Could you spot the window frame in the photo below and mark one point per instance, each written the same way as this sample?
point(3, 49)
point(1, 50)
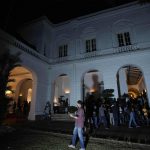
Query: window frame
point(124, 39)
point(90, 45)
point(63, 50)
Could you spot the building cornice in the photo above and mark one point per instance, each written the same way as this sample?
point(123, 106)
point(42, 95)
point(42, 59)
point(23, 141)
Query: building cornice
point(113, 52)
point(5, 37)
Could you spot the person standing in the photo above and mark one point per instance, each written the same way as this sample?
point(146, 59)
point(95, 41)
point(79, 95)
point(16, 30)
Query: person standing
point(111, 116)
point(79, 124)
point(94, 116)
point(132, 118)
point(102, 117)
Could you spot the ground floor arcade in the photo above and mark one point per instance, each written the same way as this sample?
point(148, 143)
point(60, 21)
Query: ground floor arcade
point(37, 81)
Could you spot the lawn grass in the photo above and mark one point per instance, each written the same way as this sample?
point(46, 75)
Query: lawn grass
point(23, 139)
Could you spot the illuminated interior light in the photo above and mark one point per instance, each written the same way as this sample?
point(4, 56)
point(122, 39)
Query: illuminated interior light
point(8, 92)
point(67, 91)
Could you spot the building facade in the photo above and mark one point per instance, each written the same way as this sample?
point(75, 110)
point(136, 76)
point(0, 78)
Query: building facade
point(109, 49)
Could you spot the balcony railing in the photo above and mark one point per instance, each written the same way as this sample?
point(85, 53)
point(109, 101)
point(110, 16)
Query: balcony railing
point(13, 41)
point(126, 48)
point(98, 53)
point(61, 59)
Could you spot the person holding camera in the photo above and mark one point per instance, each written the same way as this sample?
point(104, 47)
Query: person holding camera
point(79, 124)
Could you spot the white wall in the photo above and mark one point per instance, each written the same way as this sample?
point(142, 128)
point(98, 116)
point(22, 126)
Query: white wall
point(103, 27)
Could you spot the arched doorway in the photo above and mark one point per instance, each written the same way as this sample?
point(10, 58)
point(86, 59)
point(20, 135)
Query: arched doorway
point(61, 93)
point(92, 84)
point(130, 81)
point(21, 89)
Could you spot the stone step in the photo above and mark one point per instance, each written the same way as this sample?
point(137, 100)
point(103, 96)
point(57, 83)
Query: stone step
point(61, 117)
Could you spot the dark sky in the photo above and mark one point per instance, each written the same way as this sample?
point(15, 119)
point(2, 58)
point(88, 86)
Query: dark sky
point(16, 12)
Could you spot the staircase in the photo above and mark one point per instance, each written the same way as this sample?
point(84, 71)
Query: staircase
point(61, 117)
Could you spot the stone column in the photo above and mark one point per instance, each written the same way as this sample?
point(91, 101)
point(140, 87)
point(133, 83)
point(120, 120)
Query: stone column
point(110, 82)
point(75, 87)
point(147, 83)
point(123, 81)
point(33, 102)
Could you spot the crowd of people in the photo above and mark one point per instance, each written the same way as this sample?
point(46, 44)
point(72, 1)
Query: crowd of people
point(111, 112)
point(127, 111)
point(20, 108)
point(116, 112)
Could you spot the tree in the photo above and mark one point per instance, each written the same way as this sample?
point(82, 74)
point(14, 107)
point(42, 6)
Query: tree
point(8, 62)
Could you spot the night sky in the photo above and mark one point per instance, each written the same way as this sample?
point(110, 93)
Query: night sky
point(14, 13)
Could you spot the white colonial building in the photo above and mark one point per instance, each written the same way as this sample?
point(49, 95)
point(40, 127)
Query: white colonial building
point(109, 49)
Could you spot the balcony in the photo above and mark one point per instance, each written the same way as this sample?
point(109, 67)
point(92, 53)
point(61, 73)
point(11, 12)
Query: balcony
point(101, 52)
point(61, 59)
point(126, 48)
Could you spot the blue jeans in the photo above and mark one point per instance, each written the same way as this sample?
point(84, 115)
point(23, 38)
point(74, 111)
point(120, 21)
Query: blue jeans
point(132, 119)
point(102, 119)
point(78, 132)
point(95, 123)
